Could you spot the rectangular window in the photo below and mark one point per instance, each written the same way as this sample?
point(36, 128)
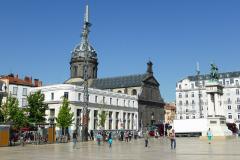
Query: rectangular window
point(124, 102)
point(15, 90)
point(24, 102)
point(79, 112)
point(186, 95)
point(52, 112)
point(238, 107)
point(229, 116)
point(237, 91)
point(229, 107)
point(180, 95)
point(239, 116)
point(52, 96)
point(24, 93)
point(180, 103)
point(110, 120)
point(227, 82)
point(103, 100)
point(96, 99)
point(79, 96)
point(133, 103)
point(95, 123)
point(65, 95)
point(117, 102)
point(110, 101)
point(192, 94)
point(236, 82)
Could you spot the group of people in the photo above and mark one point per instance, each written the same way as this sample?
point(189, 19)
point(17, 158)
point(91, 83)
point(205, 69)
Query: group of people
point(100, 136)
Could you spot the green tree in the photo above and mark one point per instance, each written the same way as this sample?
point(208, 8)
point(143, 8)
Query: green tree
point(36, 108)
point(20, 119)
point(102, 118)
point(4, 113)
point(12, 113)
point(65, 117)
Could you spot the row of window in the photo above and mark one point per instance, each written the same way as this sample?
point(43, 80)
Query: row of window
point(193, 116)
point(186, 103)
point(134, 91)
point(222, 82)
point(125, 120)
point(15, 91)
point(96, 99)
point(230, 107)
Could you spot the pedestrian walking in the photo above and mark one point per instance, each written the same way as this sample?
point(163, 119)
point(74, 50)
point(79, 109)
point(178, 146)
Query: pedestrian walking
point(92, 135)
point(172, 137)
point(110, 142)
point(98, 137)
point(146, 138)
point(209, 135)
point(126, 136)
point(74, 139)
point(22, 139)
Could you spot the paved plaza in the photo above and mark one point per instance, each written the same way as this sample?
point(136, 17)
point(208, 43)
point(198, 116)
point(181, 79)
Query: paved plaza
point(187, 148)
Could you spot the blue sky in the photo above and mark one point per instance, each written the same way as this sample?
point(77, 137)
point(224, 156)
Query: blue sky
point(37, 37)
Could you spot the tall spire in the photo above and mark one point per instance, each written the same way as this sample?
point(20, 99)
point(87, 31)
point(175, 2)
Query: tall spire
point(86, 18)
point(86, 30)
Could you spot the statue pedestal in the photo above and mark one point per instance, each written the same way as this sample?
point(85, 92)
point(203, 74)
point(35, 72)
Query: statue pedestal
point(216, 120)
point(218, 127)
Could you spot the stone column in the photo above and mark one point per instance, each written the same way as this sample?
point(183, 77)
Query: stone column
point(91, 119)
point(113, 120)
point(217, 104)
point(130, 125)
point(107, 121)
point(210, 106)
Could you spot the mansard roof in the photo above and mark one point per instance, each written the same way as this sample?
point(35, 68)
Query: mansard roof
point(221, 76)
point(119, 82)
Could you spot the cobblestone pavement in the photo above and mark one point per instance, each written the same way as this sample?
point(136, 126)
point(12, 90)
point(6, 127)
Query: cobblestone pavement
point(187, 149)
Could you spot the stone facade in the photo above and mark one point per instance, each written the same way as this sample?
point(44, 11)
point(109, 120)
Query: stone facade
point(144, 86)
point(120, 115)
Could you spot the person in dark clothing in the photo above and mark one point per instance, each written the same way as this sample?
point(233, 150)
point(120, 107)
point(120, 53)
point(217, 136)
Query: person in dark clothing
point(91, 135)
point(121, 134)
point(74, 139)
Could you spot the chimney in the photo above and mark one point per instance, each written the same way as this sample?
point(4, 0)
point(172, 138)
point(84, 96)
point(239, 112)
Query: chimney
point(27, 79)
point(149, 68)
point(36, 82)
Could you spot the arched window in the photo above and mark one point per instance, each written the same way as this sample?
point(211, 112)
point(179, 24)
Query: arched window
point(75, 68)
point(119, 91)
point(134, 92)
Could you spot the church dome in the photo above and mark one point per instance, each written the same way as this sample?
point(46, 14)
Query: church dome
point(79, 51)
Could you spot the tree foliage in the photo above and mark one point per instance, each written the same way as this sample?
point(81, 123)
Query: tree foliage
point(102, 118)
point(36, 108)
point(65, 117)
point(4, 112)
point(13, 114)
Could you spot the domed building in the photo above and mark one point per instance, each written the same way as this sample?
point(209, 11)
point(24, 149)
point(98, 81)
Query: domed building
point(145, 86)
